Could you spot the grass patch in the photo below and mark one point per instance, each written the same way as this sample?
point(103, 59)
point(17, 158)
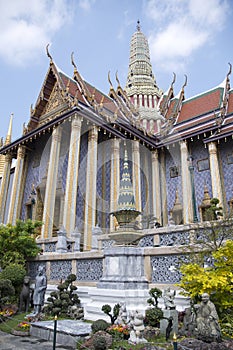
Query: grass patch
point(11, 322)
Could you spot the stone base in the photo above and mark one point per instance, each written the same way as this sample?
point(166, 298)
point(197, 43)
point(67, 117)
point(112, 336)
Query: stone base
point(69, 332)
point(164, 322)
point(134, 299)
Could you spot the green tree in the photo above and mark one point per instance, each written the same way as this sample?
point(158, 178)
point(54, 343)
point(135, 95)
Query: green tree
point(17, 243)
point(217, 280)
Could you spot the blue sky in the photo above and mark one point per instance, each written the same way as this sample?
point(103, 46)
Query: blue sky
point(192, 37)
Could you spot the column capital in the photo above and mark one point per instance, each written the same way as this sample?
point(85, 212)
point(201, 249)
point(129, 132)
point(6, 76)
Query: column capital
point(135, 144)
point(56, 135)
point(21, 152)
point(115, 144)
point(155, 154)
point(8, 158)
point(212, 147)
point(93, 134)
point(76, 121)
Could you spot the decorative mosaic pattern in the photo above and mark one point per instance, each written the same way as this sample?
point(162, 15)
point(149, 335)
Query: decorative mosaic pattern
point(50, 247)
point(226, 149)
point(82, 180)
point(201, 178)
point(165, 268)
point(64, 171)
point(147, 241)
point(173, 183)
point(33, 268)
point(89, 270)
point(60, 269)
point(108, 243)
point(31, 179)
point(177, 238)
point(103, 183)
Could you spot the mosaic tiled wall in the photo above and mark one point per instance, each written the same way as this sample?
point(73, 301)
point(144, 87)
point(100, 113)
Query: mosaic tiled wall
point(103, 182)
point(199, 152)
point(173, 183)
point(37, 161)
point(226, 158)
point(81, 181)
point(165, 268)
point(89, 269)
point(60, 269)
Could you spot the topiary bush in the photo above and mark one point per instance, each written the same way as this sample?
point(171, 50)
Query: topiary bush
point(60, 300)
point(154, 314)
point(107, 310)
point(99, 325)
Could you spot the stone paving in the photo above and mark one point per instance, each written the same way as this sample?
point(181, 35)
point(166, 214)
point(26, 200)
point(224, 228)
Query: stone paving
point(68, 334)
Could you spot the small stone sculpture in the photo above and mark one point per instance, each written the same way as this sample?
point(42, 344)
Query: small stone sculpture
point(168, 297)
point(24, 298)
point(39, 291)
point(208, 328)
point(122, 318)
point(137, 324)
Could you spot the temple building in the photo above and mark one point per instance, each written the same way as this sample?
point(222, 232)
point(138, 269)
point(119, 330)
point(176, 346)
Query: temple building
point(69, 161)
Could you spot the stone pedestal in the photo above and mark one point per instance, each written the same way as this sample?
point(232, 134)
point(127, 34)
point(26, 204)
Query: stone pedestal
point(76, 235)
point(61, 241)
point(96, 232)
point(164, 322)
point(123, 269)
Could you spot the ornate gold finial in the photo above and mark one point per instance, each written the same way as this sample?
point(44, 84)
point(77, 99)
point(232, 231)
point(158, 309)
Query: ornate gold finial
point(48, 54)
point(185, 82)
point(72, 61)
point(138, 26)
point(118, 81)
point(174, 79)
point(109, 80)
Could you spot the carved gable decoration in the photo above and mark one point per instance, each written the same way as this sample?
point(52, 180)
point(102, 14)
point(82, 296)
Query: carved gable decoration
point(56, 99)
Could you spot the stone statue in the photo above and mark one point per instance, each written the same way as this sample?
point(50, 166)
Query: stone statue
point(39, 291)
point(189, 321)
point(168, 297)
point(207, 326)
point(24, 298)
point(122, 317)
point(137, 325)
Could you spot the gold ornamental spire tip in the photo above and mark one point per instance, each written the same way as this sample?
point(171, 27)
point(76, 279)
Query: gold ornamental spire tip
point(72, 62)
point(48, 53)
point(109, 80)
point(230, 69)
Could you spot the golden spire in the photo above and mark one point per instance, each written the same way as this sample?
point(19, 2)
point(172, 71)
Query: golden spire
point(9, 133)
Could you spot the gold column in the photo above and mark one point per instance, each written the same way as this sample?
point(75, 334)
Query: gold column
point(72, 176)
point(51, 184)
point(136, 174)
point(163, 188)
point(4, 185)
point(215, 172)
point(156, 193)
point(186, 184)
point(115, 179)
point(90, 199)
point(17, 187)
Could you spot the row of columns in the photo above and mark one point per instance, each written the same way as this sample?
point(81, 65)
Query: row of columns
point(69, 213)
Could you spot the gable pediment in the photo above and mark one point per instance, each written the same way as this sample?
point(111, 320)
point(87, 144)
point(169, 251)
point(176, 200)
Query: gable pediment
point(51, 100)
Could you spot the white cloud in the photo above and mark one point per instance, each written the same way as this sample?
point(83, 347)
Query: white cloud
point(27, 26)
point(185, 26)
point(86, 4)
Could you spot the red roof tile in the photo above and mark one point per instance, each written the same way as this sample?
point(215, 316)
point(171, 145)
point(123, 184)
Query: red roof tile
point(230, 103)
point(201, 104)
